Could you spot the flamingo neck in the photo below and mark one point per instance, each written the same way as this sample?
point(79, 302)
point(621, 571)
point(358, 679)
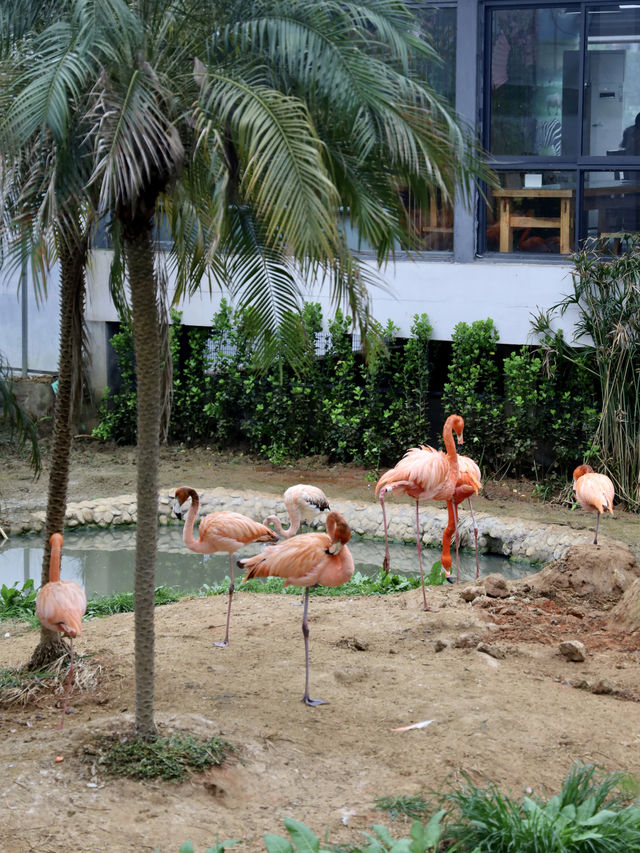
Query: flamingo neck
point(452, 454)
point(294, 525)
point(187, 533)
point(54, 561)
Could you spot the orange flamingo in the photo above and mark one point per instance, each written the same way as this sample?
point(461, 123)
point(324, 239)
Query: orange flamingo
point(60, 606)
point(469, 481)
point(593, 491)
point(302, 503)
point(424, 473)
point(219, 531)
point(307, 560)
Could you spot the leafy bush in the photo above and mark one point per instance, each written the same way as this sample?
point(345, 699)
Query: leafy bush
point(118, 412)
point(473, 390)
point(585, 816)
point(18, 603)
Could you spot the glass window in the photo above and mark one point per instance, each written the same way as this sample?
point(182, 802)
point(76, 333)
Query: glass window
point(532, 212)
point(611, 205)
point(534, 81)
point(612, 81)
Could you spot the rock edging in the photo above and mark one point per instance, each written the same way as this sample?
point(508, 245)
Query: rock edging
point(510, 537)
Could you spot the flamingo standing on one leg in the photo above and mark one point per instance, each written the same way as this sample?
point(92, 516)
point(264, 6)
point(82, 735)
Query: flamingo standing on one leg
point(60, 606)
point(469, 482)
point(424, 473)
point(219, 531)
point(307, 560)
point(593, 491)
point(302, 503)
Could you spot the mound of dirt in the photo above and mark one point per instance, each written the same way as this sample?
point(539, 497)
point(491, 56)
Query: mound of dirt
point(606, 571)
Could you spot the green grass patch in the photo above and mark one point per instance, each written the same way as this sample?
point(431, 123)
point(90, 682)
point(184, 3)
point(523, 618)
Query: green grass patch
point(409, 805)
point(123, 602)
point(359, 584)
point(173, 758)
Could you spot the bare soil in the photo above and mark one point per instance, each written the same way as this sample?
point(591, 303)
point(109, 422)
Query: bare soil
point(512, 710)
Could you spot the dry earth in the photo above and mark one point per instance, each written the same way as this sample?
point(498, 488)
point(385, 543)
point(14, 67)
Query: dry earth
point(518, 712)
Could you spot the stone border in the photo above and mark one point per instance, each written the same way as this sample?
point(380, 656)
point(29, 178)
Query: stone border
point(510, 537)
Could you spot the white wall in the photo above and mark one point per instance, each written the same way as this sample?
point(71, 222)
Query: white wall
point(447, 292)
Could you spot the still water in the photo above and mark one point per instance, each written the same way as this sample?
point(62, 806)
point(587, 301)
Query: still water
point(103, 561)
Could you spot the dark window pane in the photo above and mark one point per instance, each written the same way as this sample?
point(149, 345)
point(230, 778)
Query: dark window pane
point(532, 212)
point(439, 25)
point(534, 82)
point(612, 84)
point(611, 205)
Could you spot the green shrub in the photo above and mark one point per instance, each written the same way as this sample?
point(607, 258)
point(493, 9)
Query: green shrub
point(473, 391)
point(118, 412)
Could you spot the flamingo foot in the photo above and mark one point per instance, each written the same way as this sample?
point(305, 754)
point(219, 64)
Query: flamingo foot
point(313, 702)
point(221, 644)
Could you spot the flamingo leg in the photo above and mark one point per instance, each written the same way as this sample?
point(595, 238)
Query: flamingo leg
point(595, 538)
point(385, 562)
point(225, 642)
point(425, 606)
point(455, 515)
point(475, 536)
point(67, 689)
point(305, 633)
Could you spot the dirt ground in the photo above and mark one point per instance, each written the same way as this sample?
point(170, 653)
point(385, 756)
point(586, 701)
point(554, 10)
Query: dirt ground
point(514, 710)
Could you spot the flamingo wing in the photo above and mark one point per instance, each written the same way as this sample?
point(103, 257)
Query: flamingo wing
point(595, 491)
point(231, 530)
point(60, 606)
point(303, 561)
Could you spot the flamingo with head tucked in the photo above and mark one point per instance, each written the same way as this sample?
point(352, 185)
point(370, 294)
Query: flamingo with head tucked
point(219, 531)
point(302, 502)
point(60, 606)
point(593, 491)
point(424, 473)
point(307, 560)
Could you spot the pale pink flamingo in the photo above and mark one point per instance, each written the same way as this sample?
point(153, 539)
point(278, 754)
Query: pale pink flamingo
point(60, 606)
point(593, 491)
point(307, 560)
point(424, 473)
point(219, 531)
point(469, 482)
point(302, 502)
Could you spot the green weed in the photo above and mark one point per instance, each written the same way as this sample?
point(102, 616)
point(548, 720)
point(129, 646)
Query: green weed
point(172, 758)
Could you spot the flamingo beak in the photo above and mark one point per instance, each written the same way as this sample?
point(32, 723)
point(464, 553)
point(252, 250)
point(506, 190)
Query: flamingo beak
point(177, 510)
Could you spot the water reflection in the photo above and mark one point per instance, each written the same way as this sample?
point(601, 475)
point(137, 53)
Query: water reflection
point(103, 561)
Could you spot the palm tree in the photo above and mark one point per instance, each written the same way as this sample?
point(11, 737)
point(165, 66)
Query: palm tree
point(249, 129)
point(47, 214)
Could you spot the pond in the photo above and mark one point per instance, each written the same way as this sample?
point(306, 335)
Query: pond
point(103, 561)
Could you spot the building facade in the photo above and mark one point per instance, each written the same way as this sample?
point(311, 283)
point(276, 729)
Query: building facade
point(553, 92)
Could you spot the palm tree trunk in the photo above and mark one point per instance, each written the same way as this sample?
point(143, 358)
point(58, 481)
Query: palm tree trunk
point(72, 292)
point(147, 344)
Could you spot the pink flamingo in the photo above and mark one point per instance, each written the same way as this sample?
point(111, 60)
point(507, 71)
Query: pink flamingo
point(219, 531)
point(424, 473)
point(307, 560)
point(469, 481)
point(302, 502)
point(593, 491)
point(60, 606)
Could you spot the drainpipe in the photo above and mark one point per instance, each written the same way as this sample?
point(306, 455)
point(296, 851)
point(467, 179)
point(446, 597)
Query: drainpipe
point(25, 321)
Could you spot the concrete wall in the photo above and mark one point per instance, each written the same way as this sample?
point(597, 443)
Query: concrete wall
point(447, 292)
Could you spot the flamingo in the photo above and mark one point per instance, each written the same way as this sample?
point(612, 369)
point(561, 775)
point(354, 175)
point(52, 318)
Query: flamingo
point(302, 503)
point(60, 606)
point(307, 560)
point(593, 491)
point(424, 473)
point(219, 531)
point(469, 481)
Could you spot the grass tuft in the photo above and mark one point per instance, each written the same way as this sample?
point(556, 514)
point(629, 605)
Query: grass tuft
point(172, 758)
point(22, 687)
point(408, 805)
